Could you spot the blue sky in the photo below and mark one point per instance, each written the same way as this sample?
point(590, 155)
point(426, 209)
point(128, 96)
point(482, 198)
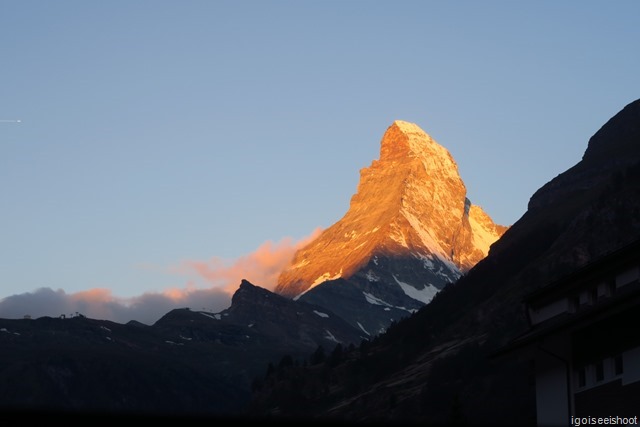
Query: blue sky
point(157, 133)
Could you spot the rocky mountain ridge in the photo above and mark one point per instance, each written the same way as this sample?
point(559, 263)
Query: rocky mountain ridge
point(410, 230)
point(411, 202)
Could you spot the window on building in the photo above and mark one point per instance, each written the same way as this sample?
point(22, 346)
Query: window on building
point(599, 370)
point(574, 303)
point(618, 368)
point(582, 376)
point(611, 288)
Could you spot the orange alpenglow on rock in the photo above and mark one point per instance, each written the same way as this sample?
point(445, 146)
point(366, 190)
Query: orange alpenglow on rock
point(412, 202)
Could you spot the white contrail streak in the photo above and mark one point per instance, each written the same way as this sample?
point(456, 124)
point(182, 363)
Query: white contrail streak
point(10, 121)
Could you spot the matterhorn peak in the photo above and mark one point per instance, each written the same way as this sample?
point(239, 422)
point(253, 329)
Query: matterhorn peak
point(409, 204)
point(404, 140)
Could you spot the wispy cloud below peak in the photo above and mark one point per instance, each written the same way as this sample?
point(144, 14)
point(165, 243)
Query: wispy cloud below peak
point(209, 287)
point(261, 267)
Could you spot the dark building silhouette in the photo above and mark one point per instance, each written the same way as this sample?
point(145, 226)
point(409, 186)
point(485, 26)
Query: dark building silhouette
point(584, 341)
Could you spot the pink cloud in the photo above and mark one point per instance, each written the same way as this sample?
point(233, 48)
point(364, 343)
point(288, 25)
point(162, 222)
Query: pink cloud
point(101, 304)
point(222, 278)
point(261, 267)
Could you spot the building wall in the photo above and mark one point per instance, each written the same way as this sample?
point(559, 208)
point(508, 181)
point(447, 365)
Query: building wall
point(552, 402)
point(628, 276)
point(547, 311)
point(610, 399)
point(631, 361)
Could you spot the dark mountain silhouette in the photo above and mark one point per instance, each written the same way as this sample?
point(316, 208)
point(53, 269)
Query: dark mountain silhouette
point(436, 366)
point(189, 363)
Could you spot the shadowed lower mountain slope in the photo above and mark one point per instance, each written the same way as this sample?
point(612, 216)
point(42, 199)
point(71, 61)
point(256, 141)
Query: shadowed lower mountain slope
point(187, 364)
point(435, 366)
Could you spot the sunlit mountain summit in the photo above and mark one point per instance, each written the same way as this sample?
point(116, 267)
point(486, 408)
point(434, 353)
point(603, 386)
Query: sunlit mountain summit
point(409, 231)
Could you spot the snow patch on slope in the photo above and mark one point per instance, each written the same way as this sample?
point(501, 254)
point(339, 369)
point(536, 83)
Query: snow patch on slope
point(325, 277)
point(482, 238)
point(427, 239)
point(300, 264)
point(331, 337)
point(372, 299)
point(363, 329)
point(371, 276)
point(425, 295)
point(397, 235)
point(214, 316)
point(319, 280)
point(447, 270)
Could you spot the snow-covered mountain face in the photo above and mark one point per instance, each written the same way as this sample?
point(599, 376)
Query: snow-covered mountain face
point(409, 230)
